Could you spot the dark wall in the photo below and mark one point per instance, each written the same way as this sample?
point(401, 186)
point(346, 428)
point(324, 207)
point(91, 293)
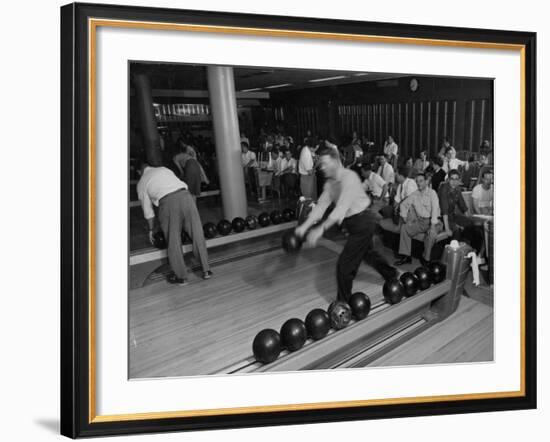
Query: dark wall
point(458, 108)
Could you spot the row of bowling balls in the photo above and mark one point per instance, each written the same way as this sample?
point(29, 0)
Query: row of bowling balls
point(411, 282)
point(225, 227)
point(269, 343)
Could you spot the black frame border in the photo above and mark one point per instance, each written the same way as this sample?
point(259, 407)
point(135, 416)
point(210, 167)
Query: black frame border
point(75, 219)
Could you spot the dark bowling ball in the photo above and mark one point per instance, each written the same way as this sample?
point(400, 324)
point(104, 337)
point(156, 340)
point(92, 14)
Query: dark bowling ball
point(293, 334)
point(209, 230)
point(276, 217)
point(266, 346)
point(438, 272)
point(393, 291)
point(410, 282)
point(340, 314)
point(288, 215)
point(360, 305)
point(238, 224)
point(423, 276)
point(159, 241)
point(317, 324)
point(251, 222)
point(224, 227)
point(263, 219)
point(291, 242)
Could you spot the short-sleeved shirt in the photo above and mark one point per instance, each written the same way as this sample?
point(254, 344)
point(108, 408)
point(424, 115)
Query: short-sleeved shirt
point(247, 157)
point(375, 184)
point(451, 200)
point(346, 192)
point(154, 184)
point(483, 197)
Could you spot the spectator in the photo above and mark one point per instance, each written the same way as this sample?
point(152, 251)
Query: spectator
point(450, 162)
point(470, 175)
point(422, 163)
point(386, 170)
point(482, 195)
point(289, 175)
point(376, 186)
point(419, 214)
point(308, 185)
point(250, 166)
point(453, 207)
point(391, 151)
point(406, 185)
point(439, 175)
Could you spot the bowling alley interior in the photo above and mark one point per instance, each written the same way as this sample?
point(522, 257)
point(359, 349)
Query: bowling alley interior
point(240, 154)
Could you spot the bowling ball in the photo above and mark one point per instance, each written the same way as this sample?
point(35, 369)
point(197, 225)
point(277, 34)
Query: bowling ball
point(360, 305)
point(340, 314)
point(423, 276)
point(288, 215)
point(264, 220)
point(410, 283)
point(238, 224)
point(291, 242)
point(224, 227)
point(438, 272)
point(393, 291)
point(251, 222)
point(293, 334)
point(159, 241)
point(276, 217)
point(317, 324)
point(209, 230)
point(267, 346)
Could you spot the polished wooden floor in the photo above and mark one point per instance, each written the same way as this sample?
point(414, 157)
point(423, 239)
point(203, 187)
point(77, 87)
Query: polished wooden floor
point(207, 327)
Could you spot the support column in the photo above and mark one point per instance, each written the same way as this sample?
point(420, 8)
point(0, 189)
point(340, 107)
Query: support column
point(223, 103)
point(149, 131)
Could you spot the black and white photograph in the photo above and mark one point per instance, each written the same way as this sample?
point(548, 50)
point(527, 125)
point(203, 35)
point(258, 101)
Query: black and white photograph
point(285, 219)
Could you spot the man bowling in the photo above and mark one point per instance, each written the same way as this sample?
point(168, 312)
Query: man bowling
point(343, 189)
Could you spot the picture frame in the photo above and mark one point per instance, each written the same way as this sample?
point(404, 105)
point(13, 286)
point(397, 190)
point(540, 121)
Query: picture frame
point(79, 243)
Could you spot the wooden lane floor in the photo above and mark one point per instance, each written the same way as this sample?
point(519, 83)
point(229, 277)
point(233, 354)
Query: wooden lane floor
point(465, 336)
point(205, 326)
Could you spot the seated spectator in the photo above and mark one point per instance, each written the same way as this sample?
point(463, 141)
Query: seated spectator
point(385, 170)
point(375, 186)
point(409, 166)
point(469, 176)
point(406, 187)
point(419, 214)
point(289, 175)
point(445, 145)
point(422, 163)
point(438, 175)
point(482, 195)
point(250, 166)
point(450, 162)
point(454, 210)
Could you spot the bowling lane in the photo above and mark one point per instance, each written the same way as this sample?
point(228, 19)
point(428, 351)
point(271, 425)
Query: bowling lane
point(206, 326)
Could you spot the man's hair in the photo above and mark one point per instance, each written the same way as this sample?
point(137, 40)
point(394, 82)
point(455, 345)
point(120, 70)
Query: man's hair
point(454, 172)
point(244, 143)
point(422, 174)
point(449, 149)
point(333, 153)
point(486, 172)
point(438, 161)
point(403, 171)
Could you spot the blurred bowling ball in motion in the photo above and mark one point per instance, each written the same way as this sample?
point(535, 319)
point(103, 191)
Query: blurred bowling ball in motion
point(263, 219)
point(238, 224)
point(293, 334)
point(317, 324)
point(251, 222)
point(209, 230)
point(288, 215)
point(360, 305)
point(340, 314)
point(423, 276)
point(292, 243)
point(410, 283)
point(267, 346)
point(393, 291)
point(438, 272)
point(159, 241)
point(276, 217)
point(224, 227)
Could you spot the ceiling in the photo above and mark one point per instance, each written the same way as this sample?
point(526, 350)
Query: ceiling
point(193, 77)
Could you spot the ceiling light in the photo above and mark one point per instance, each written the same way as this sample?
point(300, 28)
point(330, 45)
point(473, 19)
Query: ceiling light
point(339, 77)
point(278, 85)
point(360, 74)
point(252, 90)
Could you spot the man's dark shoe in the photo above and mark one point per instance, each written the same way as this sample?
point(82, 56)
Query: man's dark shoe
point(173, 279)
point(403, 260)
